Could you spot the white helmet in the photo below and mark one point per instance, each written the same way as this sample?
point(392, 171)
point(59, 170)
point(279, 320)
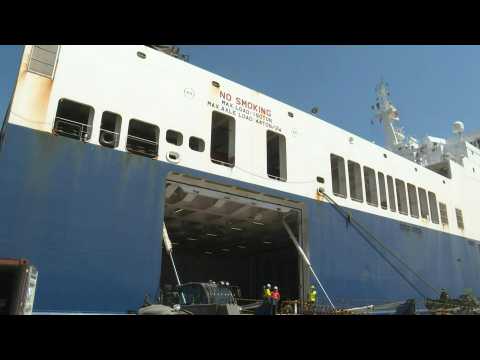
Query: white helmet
point(269, 286)
point(227, 283)
point(275, 288)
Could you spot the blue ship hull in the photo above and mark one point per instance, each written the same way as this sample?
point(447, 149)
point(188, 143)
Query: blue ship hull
point(90, 219)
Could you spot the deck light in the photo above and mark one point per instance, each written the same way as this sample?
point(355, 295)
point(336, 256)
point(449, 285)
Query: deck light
point(179, 211)
point(241, 246)
point(267, 242)
point(238, 229)
point(257, 223)
point(192, 239)
point(211, 235)
point(226, 250)
point(208, 253)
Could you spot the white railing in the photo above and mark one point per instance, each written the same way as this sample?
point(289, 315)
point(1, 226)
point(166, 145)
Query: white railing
point(143, 150)
point(72, 128)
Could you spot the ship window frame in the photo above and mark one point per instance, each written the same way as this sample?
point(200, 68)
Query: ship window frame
point(225, 157)
point(413, 200)
point(339, 177)
point(355, 181)
point(201, 143)
point(152, 143)
point(434, 215)
point(83, 126)
point(382, 190)
point(371, 192)
point(391, 194)
point(116, 129)
point(402, 202)
point(443, 213)
point(423, 201)
point(459, 216)
point(174, 137)
point(276, 155)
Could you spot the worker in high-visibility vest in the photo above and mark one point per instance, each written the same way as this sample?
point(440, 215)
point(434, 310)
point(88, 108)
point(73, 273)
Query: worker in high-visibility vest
point(275, 300)
point(267, 299)
point(312, 297)
point(267, 292)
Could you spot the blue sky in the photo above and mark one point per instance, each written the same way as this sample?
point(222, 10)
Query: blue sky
point(432, 86)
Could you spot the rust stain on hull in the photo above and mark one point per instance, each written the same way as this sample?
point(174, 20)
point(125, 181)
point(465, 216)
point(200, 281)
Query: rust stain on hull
point(31, 97)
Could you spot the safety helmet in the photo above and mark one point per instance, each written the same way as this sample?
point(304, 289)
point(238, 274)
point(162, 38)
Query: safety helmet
point(227, 283)
point(275, 288)
point(312, 287)
point(269, 286)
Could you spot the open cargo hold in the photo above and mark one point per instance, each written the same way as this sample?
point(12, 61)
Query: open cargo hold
point(221, 236)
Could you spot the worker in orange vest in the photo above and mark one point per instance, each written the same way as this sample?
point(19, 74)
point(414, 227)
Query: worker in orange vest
point(275, 299)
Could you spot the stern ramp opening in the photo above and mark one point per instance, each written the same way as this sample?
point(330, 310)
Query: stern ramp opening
point(220, 236)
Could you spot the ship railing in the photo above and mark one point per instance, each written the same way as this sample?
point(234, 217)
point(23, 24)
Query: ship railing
point(71, 128)
point(109, 138)
point(142, 146)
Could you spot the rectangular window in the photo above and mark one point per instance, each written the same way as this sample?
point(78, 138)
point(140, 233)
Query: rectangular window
point(355, 181)
point(339, 180)
point(222, 150)
point(432, 201)
point(443, 213)
point(370, 186)
point(412, 200)
point(174, 137)
point(110, 129)
point(459, 214)
point(401, 197)
point(276, 156)
point(391, 193)
point(196, 144)
point(143, 138)
point(73, 120)
point(383, 191)
point(422, 197)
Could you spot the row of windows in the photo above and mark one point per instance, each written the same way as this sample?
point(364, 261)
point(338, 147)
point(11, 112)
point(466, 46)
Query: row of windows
point(424, 206)
point(75, 120)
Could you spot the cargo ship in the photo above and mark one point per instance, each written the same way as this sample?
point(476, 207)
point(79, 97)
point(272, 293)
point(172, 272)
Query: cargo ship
point(103, 145)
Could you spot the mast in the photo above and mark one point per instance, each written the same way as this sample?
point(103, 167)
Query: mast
point(387, 114)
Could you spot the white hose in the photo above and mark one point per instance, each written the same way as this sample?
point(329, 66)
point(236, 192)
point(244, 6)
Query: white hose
point(305, 258)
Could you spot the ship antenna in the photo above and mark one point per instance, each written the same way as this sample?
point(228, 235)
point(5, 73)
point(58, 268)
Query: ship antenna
point(387, 115)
